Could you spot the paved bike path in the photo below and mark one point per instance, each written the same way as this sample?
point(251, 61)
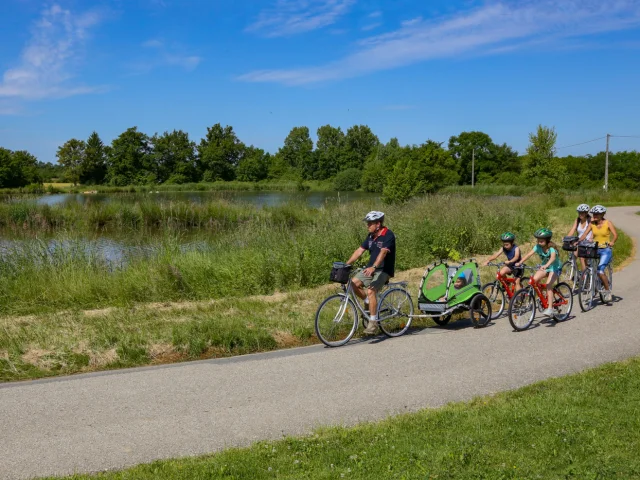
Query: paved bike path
point(116, 419)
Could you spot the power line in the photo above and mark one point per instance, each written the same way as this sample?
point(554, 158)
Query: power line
point(582, 143)
point(626, 136)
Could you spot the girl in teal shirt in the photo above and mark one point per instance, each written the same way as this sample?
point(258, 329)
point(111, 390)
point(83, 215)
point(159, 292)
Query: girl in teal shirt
point(551, 265)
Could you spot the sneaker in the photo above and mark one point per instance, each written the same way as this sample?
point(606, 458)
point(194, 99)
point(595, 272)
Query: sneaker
point(549, 312)
point(607, 296)
point(372, 328)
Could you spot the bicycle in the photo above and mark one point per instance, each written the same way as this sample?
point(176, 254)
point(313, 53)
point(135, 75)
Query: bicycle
point(570, 272)
point(590, 281)
point(337, 316)
point(499, 290)
point(522, 308)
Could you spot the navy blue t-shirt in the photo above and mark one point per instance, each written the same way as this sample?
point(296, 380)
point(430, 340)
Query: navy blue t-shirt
point(385, 239)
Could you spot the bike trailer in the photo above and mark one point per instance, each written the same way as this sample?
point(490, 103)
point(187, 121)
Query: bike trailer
point(438, 292)
point(588, 249)
point(569, 243)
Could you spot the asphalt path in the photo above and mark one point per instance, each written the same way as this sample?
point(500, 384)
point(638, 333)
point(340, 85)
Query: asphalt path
point(111, 420)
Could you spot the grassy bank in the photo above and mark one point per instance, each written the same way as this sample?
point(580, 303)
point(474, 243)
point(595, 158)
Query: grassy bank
point(257, 257)
point(147, 216)
point(577, 427)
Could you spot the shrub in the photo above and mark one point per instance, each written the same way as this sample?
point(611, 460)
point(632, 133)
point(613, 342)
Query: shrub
point(348, 180)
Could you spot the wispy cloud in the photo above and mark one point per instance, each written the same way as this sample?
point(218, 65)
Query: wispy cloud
point(496, 27)
point(291, 17)
point(48, 60)
point(165, 55)
point(371, 26)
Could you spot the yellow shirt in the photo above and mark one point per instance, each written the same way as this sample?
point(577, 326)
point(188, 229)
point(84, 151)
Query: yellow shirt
point(601, 233)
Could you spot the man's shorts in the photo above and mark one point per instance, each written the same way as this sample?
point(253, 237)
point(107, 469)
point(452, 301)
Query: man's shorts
point(376, 282)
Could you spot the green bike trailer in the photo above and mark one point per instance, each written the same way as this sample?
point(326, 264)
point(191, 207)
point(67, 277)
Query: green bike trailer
point(439, 298)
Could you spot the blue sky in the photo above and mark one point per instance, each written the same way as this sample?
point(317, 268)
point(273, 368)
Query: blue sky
point(414, 70)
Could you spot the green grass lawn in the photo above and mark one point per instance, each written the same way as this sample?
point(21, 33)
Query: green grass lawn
point(585, 426)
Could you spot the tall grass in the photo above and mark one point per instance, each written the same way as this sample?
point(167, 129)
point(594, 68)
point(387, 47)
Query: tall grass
point(284, 249)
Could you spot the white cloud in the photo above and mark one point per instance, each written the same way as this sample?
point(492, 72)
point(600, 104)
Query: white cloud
point(153, 43)
point(371, 26)
point(162, 54)
point(493, 28)
point(291, 17)
point(47, 61)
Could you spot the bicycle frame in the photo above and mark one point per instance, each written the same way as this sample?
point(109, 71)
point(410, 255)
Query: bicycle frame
point(508, 284)
point(541, 292)
point(351, 295)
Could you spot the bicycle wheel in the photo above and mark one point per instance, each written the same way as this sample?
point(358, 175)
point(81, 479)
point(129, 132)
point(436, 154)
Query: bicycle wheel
point(336, 320)
point(568, 273)
point(586, 291)
point(522, 309)
point(395, 310)
point(493, 291)
point(562, 301)
point(480, 310)
point(443, 320)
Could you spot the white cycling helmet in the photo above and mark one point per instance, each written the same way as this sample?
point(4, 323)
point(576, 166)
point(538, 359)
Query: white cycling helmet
point(598, 209)
point(374, 216)
point(583, 208)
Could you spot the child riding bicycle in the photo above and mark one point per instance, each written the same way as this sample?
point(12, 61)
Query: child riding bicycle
point(512, 252)
point(602, 230)
point(550, 259)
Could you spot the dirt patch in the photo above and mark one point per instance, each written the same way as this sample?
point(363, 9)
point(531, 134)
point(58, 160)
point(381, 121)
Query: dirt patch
point(38, 358)
point(101, 359)
point(286, 339)
point(4, 355)
point(100, 312)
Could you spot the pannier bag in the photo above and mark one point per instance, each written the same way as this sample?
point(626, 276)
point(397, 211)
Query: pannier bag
point(340, 272)
point(588, 249)
point(568, 244)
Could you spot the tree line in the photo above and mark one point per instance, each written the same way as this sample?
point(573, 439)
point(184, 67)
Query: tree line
point(355, 159)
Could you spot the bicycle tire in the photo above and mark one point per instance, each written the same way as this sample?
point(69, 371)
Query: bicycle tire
point(494, 292)
point(398, 302)
point(480, 310)
point(326, 316)
point(442, 320)
point(568, 273)
point(586, 290)
point(563, 290)
point(522, 309)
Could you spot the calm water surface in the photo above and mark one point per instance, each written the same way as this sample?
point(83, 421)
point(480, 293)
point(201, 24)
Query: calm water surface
point(117, 251)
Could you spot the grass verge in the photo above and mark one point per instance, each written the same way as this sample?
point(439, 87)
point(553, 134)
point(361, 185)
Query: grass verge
point(584, 426)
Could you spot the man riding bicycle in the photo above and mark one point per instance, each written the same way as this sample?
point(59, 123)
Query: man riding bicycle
point(381, 244)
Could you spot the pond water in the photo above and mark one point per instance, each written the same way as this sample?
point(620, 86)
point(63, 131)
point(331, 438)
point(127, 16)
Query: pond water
point(271, 199)
point(118, 250)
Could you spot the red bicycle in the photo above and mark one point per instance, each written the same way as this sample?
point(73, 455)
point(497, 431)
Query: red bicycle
point(498, 291)
point(522, 308)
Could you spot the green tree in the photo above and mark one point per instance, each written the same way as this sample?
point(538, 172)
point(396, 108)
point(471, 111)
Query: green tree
point(93, 169)
point(330, 151)
point(360, 144)
point(348, 180)
point(380, 166)
point(297, 152)
point(424, 169)
point(71, 156)
point(17, 169)
point(129, 159)
point(541, 165)
point(174, 157)
point(254, 165)
point(219, 153)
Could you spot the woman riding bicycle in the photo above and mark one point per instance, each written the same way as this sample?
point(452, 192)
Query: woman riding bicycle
point(602, 230)
point(512, 252)
point(580, 227)
point(551, 265)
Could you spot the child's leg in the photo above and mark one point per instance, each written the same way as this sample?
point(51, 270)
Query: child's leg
point(551, 280)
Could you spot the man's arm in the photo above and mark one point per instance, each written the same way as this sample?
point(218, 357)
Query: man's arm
point(356, 255)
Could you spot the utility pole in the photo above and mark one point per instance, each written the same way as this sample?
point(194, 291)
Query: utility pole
point(606, 166)
point(473, 167)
